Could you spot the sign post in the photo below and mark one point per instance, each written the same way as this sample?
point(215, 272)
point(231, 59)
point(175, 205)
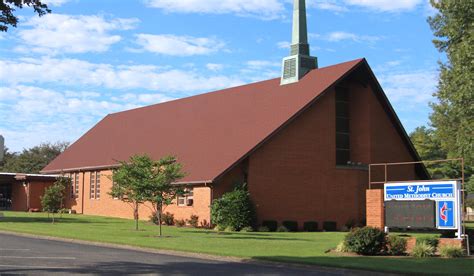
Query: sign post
point(446, 198)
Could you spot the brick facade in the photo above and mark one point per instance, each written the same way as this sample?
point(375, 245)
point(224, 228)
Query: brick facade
point(294, 176)
point(375, 208)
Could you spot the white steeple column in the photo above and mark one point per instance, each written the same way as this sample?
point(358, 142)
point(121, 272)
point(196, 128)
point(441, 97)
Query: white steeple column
point(299, 63)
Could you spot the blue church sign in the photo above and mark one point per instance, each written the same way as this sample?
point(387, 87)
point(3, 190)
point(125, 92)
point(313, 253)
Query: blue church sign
point(446, 194)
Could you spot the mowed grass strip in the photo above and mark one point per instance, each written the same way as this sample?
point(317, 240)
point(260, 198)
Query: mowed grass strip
point(304, 248)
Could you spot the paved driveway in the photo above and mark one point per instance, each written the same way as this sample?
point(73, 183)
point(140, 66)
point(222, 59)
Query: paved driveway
point(23, 255)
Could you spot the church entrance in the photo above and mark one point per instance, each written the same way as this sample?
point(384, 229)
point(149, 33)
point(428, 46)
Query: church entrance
point(5, 197)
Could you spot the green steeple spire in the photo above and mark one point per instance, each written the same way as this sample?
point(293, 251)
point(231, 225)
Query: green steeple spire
point(299, 63)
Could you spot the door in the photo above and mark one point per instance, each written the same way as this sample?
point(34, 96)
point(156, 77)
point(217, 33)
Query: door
point(5, 197)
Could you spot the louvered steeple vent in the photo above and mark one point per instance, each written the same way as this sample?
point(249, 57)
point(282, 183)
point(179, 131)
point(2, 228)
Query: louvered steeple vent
point(299, 63)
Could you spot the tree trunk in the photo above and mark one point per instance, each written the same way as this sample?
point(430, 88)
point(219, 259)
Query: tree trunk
point(158, 214)
point(135, 216)
point(52, 217)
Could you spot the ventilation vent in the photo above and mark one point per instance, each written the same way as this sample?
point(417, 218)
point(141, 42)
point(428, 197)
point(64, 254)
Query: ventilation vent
point(289, 68)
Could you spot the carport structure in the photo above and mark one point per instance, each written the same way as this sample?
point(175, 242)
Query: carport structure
point(22, 192)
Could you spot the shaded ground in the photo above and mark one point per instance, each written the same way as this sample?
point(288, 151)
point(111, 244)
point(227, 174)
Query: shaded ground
point(36, 256)
point(304, 248)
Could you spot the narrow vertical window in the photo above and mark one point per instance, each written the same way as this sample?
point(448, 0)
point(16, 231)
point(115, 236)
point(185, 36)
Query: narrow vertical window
point(71, 177)
point(76, 185)
point(97, 185)
point(92, 186)
point(343, 144)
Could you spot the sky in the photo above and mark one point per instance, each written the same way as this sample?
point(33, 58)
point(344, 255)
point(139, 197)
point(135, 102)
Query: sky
point(62, 73)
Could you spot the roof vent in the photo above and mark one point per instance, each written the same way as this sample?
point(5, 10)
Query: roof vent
point(2, 147)
point(299, 63)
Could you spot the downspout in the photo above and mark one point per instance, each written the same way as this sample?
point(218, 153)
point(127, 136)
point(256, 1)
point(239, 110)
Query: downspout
point(83, 192)
point(27, 196)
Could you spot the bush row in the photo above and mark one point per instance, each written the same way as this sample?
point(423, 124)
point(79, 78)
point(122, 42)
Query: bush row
point(168, 219)
point(373, 241)
point(292, 226)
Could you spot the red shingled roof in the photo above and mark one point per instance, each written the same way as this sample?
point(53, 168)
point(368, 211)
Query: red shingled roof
point(208, 133)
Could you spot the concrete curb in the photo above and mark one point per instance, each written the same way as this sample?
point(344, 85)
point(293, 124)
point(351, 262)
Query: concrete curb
point(201, 256)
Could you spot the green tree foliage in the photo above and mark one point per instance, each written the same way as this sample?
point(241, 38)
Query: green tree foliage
point(428, 145)
point(233, 209)
point(8, 7)
point(32, 160)
point(130, 181)
point(52, 200)
point(160, 190)
point(453, 112)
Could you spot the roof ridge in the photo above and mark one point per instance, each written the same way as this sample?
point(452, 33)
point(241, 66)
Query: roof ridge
point(228, 88)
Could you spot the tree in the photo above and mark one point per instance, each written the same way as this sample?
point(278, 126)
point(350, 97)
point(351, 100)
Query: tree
point(7, 7)
point(161, 190)
point(130, 180)
point(52, 200)
point(453, 113)
point(32, 160)
point(429, 147)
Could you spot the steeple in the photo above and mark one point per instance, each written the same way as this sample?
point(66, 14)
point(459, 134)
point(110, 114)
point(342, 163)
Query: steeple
point(299, 63)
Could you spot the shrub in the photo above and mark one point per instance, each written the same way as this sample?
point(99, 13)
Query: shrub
point(432, 241)
point(342, 247)
point(153, 218)
point(263, 229)
point(246, 229)
point(233, 209)
point(350, 224)
point(205, 224)
point(180, 222)
point(451, 251)
point(310, 226)
point(366, 241)
point(230, 229)
point(282, 228)
point(330, 226)
point(167, 218)
point(423, 250)
point(193, 221)
point(272, 225)
point(396, 245)
point(219, 228)
point(292, 226)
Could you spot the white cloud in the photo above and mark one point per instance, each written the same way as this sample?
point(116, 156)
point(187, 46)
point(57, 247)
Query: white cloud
point(60, 33)
point(52, 115)
point(331, 5)
point(79, 72)
point(55, 3)
point(178, 45)
point(284, 45)
point(265, 9)
point(410, 88)
point(215, 66)
point(341, 36)
point(386, 5)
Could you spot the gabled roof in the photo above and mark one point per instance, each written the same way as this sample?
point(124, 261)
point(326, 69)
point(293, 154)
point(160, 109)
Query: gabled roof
point(208, 133)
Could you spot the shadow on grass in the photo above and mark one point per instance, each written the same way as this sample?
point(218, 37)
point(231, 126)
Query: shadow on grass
point(190, 267)
point(42, 219)
point(428, 266)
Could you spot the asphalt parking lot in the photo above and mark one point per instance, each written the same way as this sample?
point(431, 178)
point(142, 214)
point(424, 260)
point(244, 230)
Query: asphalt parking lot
point(30, 256)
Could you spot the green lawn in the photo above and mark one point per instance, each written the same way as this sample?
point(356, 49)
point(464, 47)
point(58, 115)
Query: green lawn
point(307, 248)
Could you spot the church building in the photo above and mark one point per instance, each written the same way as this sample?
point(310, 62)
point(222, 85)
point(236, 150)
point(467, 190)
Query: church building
point(302, 143)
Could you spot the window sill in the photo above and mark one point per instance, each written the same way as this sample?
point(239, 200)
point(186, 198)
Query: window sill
point(357, 168)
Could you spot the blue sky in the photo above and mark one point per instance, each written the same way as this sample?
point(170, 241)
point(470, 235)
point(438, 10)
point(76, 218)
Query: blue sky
point(60, 74)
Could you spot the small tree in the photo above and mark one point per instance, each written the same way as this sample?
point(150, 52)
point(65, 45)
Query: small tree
point(52, 200)
point(160, 190)
point(234, 209)
point(129, 180)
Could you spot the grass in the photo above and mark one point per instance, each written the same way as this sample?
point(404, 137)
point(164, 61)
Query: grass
point(305, 248)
